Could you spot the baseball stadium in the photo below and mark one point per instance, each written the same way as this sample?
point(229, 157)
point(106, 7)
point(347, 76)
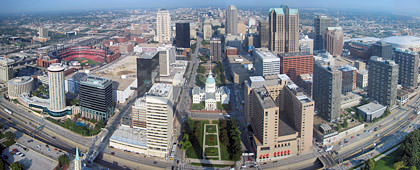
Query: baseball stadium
point(84, 54)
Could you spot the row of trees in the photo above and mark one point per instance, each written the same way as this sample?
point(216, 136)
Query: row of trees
point(192, 137)
point(82, 130)
point(231, 138)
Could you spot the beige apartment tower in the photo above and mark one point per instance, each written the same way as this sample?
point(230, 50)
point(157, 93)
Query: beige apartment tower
point(163, 26)
point(281, 117)
point(284, 30)
point(334, 41)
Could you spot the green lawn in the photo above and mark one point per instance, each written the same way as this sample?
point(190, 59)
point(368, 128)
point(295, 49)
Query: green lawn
point(211, 152)
point(211, 140)
point(197, 106)
point(191, 153)
point(211, 128)
point(386, 163)
point(196, 151)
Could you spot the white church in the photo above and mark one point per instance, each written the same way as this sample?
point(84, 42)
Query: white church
point(211, 95)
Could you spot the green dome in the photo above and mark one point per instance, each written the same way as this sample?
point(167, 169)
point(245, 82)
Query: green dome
point(210, 80)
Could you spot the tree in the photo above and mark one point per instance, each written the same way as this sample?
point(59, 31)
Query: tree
point(345, 124)
point(410, 149)
point(398, 165)
point(10, 135)
point(201, 69)
point(17, 166)
point(2, 166)
point(370, 164)
point(339, 127)
point(63, 160)
point(412, 168)
point(186, 143)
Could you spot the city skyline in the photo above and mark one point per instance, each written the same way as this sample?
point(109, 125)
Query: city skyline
point(389, 6)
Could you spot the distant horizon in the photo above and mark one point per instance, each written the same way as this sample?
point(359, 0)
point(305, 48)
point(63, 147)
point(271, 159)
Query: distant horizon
point(18, 7)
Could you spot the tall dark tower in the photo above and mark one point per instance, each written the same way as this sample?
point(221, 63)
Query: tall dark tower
point(182, 37)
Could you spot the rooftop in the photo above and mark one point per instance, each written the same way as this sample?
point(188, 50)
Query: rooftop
point(265, 99)
point(21, 80)
point(370, 107)
point(148, 55)
point(56, 67)
point(134, 136)
point(160, 89)
point(285, 129)
point(266, 55)
point(334, 28)
point(403, 41)
point(96, 81)
point(401, 50)
point(4, 61)
point(380, 59)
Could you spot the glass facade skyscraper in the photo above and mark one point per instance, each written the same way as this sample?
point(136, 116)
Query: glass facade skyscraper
point(147, 71)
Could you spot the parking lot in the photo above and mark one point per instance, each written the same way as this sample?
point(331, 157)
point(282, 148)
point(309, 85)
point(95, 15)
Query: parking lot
point(29, 158)
point(44, 149)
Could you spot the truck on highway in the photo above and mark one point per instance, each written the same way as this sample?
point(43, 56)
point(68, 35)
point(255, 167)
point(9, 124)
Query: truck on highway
point(329, 148)
point(8, 111)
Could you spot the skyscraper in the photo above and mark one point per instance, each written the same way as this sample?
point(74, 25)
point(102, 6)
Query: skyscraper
point(408, 64)
point(295, 64)
point(280, 116)
point(182, 37)
point(163, 26)
point(231, 20)
point(382, 49)
point(159, 119)
point(263, 33)
point(334, 41)
point(96, 100)
point(164, 63)
point(383, 81)
point(284, 30)
point(216, 49)
point(147, 71)
point(321, 23)
point(56, 87)
point(327, 82)
point(207, 30)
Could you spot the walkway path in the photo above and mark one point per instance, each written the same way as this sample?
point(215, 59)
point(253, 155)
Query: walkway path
point(208, 146)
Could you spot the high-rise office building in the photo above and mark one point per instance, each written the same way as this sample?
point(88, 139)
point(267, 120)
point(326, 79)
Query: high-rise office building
point(163, 26)
point(96, 98)
point(164, 68)
point(306, 45)
point(334, 41)
point(284, 30)
point(266, 63)
point(382, 49)
point(360, 65)
point(362, 79)
point(159, 119)
point(182, 37)
point(321, 23)
point(216, 49)
point(349, 78)
point(6, 69)
point(207, 30)
point(147, 71)
point(327, 82)
point(42, 32)
point(280, 116)
point(408, 64)
point(383, 81)
point(56, 87)
point(295, 64)
point(138, 113)
point(263, 33)
point(231, 20)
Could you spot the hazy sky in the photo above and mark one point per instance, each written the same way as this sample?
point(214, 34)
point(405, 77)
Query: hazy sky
point(393, 6)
